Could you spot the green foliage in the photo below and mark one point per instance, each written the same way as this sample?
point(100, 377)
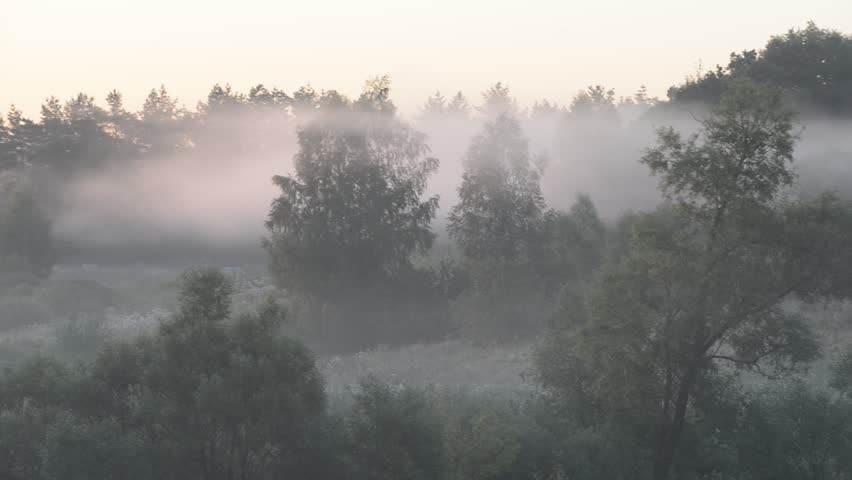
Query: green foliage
point(80, 449)
point(207, 397)
point(500, 207)
point(697, 295)
point(742, 154)
point(515, 299)
point(394, 434)
point(481, 445)
point(238, 393)
point(812, 65)
point(26, 237)
point(796, 433)
point(573, 246)
point(352, 214)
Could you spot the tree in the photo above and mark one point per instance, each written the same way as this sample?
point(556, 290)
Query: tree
point(544, 109)
point(394, 434)
point(500, 202)
point(572, 245)
point(812, 65)
point(498, 225)
point(353, 211)
point(458, 105)
point(375, 97)
point(261, 96)
point(209, 396)
point(435, 105)
point(698, 295)
point(332, 100)
point(26, 236)
point(8, 156)
point(25, 135)
point(596, 101)
point(305, 101)
point(215, 396)
point(221, 100)
point(497, 100)
point(162, 122)
point(796, 432)
point(115, 100)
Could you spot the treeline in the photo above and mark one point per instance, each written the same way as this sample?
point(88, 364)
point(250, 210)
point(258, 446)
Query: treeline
point(813, 65)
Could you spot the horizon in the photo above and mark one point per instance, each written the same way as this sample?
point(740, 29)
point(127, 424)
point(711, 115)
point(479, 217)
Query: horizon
point(91, 47)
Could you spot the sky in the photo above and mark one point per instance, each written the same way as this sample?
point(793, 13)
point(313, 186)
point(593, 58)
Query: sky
point(540, 48)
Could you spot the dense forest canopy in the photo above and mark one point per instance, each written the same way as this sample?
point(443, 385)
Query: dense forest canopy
point(673, 277)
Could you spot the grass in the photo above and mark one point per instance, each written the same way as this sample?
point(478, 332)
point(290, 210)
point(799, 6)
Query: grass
point(148, 295)
point(451, 365)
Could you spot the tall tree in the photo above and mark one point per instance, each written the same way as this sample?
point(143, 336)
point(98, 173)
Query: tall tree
point(259, 95)
point(8, 158)
point(163, 129)
point(812, 65)
point(435, 105)
point(305, 101)
point(500, 202)
point(353, 210)
point(26, 232)
point(595, 101)
point(699, 293)
point(458, 105)
point(497, 100)
point(25, 136)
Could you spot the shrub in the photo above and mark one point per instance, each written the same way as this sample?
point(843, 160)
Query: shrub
point(394, 435)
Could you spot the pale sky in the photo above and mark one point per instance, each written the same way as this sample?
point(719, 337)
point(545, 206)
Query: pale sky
point(540, 48)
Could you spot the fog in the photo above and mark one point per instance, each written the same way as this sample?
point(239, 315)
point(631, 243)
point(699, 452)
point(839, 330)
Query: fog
point(302, 284)
point(213, 200)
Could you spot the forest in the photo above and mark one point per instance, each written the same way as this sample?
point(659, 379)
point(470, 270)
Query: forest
point(299, 284)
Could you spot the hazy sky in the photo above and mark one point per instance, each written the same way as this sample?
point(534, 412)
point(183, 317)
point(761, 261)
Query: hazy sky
point(541, 48)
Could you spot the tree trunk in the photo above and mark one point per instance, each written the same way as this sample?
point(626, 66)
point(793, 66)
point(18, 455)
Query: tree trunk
point(671, 437)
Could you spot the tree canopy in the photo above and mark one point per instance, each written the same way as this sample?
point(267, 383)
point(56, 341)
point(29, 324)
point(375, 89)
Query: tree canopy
point(698, 295)
point(353, 210)
point(812, 65)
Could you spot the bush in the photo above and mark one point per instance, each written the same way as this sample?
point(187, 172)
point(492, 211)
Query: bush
point(393, 434)
point(796, 433)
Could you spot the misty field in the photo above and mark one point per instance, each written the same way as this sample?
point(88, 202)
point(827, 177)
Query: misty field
point(328, 284)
